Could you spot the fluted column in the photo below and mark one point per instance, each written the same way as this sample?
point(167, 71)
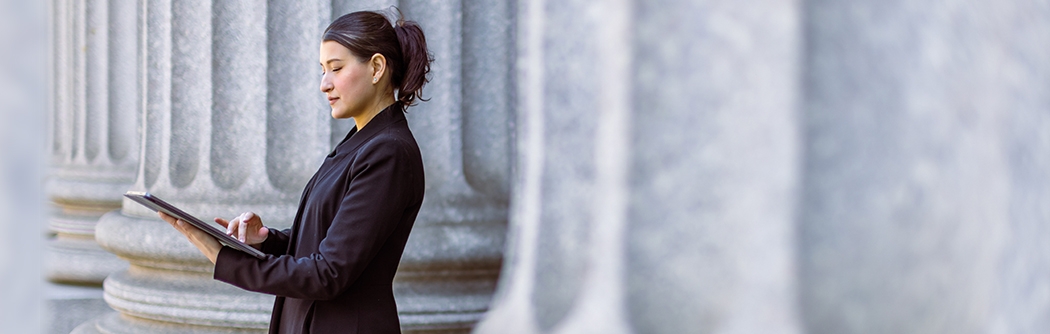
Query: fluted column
point(233, 123)
point(449, 269)
point(657, 166)
point(925, 203)
point(95, 140)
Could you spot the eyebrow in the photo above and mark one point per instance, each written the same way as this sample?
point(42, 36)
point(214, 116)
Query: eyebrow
point(331, 60)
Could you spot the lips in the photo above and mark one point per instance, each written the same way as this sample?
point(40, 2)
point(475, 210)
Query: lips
point(331, 100)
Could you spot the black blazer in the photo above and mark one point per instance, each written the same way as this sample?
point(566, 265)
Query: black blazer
point(333, 270)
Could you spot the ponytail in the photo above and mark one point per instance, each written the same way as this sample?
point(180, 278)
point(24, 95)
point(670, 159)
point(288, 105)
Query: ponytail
point(416, 60)
point(402, 43)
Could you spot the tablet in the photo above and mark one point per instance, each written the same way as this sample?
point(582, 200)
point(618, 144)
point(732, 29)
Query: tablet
point(156, 204)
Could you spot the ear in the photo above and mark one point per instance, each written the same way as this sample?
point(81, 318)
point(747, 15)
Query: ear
point(378, 64)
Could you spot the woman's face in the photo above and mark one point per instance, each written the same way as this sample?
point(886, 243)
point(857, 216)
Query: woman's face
point(345, 80)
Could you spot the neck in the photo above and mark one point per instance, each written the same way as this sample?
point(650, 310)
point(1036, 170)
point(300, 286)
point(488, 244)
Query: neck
point(383, 103)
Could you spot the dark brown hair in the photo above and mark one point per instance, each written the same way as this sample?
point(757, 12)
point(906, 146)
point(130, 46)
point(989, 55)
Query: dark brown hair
point(367, 33)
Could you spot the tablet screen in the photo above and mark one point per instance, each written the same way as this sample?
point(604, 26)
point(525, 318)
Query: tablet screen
point(156, 204)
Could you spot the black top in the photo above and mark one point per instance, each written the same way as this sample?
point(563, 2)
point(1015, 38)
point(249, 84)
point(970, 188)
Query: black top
point(333, 270)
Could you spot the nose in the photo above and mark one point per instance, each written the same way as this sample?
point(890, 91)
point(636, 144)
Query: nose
point(326, 83)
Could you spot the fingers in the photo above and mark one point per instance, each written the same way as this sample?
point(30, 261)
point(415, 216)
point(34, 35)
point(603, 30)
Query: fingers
point(241, 226)
point(231, 227)
point(203, 241)
point(242, 232)
point(238, 227)
point(227, 224)
point(177, 224)
point(234, 225)
point(165, 217)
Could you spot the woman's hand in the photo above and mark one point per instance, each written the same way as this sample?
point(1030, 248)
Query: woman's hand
point(248, 228)
point(204, 242)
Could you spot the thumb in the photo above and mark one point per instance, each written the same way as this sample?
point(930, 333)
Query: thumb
point(222, 222)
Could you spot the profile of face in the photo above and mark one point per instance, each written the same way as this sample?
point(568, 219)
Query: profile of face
point(347, 81)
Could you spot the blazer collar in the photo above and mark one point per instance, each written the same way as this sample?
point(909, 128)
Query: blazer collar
point(391, 115)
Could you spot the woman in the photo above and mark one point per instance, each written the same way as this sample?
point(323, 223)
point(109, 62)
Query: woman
point(332, 271)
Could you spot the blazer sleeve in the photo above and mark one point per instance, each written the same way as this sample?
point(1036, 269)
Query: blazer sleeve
point(276, 242)
point(369, 211)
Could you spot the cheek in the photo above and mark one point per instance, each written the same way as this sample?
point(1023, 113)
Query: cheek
point(347, 84)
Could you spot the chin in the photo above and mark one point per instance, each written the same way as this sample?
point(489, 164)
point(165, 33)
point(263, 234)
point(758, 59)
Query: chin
point(337, 114)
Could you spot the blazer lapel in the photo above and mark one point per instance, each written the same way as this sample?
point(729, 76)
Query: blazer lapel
point(385, 118)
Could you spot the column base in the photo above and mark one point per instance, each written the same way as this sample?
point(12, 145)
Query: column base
point(69, 306)
point(80, 261)
point(116, 323)
point(432, 303)
point(186, 299)
point(73, 256)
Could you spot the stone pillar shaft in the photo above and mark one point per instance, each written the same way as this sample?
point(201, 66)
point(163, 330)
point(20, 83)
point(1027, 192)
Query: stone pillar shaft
point(94, 136)
point(656, 171)
point(881, 162)
point(224, 133)
point(449, 269)
point(919, 204)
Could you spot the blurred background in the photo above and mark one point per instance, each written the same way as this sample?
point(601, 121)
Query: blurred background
point(662, 166)
point(23, 113)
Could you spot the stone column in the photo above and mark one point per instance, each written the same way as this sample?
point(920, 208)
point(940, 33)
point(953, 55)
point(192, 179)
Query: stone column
point(657, 170)
point(95, 145)
point(233, 123)
point(925, 202)
point(449, 269)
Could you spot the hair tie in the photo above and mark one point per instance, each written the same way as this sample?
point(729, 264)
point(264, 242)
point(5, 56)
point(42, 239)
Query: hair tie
point(394, 15)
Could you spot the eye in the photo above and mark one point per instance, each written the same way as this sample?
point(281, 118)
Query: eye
point(336, 69)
